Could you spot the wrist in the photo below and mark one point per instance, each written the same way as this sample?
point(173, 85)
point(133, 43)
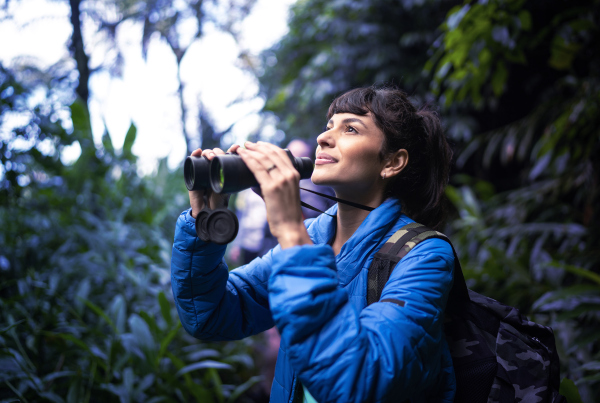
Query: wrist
point(293, 236)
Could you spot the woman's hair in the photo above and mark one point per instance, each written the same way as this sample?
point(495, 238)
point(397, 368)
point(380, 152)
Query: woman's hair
point(421, 184)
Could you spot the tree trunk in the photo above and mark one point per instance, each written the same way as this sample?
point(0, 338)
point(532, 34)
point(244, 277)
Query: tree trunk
point(188, 142)
point(78, 52)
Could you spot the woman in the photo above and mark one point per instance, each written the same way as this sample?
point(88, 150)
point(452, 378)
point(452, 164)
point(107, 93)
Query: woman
point(379, 151)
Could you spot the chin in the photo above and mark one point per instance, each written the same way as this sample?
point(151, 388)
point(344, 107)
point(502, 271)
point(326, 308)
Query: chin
point(326, 180)
point(318, 179)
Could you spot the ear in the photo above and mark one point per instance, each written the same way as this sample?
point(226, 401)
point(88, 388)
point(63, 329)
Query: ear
point(395, 163)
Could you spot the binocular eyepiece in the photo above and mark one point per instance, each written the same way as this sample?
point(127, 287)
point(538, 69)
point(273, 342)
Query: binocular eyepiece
point(229, 174)
point(226, 174)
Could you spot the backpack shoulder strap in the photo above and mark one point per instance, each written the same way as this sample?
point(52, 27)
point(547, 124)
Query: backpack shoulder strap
point(398, 246)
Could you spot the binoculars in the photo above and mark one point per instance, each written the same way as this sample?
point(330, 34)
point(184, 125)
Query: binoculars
point(225, 174)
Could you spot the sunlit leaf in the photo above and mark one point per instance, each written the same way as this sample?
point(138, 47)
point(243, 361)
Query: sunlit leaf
point(203, 365)
point(141, 331)
point(566, 292)
point(525, 18)
point(118, 312)
point(129, 140)
point(562, 53)
point(570, 391)
point(591, 366)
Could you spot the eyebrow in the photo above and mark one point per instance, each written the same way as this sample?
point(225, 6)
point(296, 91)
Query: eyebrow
point(350, 120)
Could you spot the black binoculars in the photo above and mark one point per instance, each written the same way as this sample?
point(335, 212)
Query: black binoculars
point(226, 174)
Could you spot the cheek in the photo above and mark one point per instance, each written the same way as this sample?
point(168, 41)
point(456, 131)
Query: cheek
point(364, 160)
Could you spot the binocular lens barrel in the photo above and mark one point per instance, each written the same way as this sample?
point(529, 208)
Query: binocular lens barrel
point(229, 173)
point(196, 173)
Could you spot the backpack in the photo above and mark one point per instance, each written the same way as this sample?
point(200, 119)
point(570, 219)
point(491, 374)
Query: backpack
point(498, 355)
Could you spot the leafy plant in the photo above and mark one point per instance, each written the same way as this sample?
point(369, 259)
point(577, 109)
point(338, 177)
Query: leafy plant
point(86, 313)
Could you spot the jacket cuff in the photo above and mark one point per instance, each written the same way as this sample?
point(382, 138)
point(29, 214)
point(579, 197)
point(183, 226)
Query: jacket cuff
point(303, 291)
point(187, 240)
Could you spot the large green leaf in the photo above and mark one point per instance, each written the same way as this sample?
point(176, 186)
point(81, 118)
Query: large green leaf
point(128, 143)
point(80, 116)
point(570, 391)
point(141, 331)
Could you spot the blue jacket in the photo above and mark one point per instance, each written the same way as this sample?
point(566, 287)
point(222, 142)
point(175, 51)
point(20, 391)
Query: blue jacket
point(337, 347)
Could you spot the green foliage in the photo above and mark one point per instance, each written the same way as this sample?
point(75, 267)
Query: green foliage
point(484, 40)
point(526, 188)
point(336, 45)
point(479, 39)
point(86, 313)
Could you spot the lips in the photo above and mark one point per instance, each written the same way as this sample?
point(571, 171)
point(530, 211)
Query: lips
point(323, 158)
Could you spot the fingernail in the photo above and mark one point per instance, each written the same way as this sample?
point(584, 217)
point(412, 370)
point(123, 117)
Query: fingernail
point(211, 154)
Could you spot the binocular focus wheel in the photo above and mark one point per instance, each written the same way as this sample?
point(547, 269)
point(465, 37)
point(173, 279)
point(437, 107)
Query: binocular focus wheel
point(222, 225)
point(201, 229)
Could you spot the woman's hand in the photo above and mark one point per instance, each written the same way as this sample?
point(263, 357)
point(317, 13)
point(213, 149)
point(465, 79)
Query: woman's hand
point(197, 196)
point(279, 185)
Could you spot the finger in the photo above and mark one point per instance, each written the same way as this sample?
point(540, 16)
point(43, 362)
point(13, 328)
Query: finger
point(211, 153)
point(197, 152)
point(279, 156)
point(233, 148)
point(267, 168)
point(263, 158)
point(267, 152)
point(254, 162)
point(273, 155)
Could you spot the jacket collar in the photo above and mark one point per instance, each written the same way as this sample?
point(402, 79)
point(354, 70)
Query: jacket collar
point(367, 239)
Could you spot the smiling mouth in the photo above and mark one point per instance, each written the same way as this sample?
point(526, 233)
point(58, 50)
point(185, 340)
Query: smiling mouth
point(323, 159)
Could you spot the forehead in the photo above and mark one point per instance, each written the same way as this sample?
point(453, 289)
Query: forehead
point(366, 120)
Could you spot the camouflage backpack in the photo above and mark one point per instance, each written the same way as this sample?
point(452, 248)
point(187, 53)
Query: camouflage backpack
point(498, 355)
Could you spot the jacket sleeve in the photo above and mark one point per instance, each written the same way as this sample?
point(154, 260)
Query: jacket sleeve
point(389, 351)
point(213, 303)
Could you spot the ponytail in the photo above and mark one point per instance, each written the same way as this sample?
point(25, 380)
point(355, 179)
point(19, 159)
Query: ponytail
point(427, 202)
point(421, 184)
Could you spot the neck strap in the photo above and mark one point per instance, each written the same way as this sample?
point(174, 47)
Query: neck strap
point(346, 202)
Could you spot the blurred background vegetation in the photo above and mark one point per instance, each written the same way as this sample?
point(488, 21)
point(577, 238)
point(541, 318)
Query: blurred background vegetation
point(86, 313)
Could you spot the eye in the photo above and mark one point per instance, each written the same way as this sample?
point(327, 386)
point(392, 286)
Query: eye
point(351, 129)
point(325, 128)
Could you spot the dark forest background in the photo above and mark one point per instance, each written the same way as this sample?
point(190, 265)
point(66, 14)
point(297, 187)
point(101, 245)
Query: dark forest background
point(86, 313)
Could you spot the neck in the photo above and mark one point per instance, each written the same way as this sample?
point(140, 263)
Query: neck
point(350, 218)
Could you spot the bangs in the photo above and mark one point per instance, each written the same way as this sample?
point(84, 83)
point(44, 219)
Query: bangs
point(357, 102)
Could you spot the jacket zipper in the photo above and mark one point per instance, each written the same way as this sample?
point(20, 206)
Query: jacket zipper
point(297, 394)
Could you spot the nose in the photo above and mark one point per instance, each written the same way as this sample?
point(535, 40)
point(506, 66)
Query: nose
point(325, 139)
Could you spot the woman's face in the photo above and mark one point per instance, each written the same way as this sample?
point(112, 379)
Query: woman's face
point(347, 157)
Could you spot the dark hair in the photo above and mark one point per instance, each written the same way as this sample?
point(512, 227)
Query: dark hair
point(421, 184)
